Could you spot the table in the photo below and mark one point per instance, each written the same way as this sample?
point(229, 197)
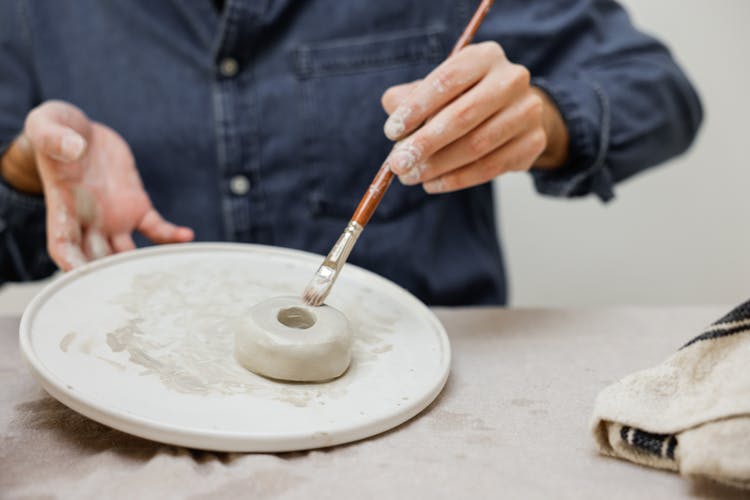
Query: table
point(512, 422)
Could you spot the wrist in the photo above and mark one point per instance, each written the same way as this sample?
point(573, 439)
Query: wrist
point(555, 154)
point(18, 168)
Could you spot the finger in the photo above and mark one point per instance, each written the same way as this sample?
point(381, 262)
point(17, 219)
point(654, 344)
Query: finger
point(495, 132)
point(519, 154)
point(154, 227)
point(395, 95)
point(454, 76)
point(69, 257)
point(95, 245)
point(63, 231)
point(496, 91)
point(58, 129)
point(122, 242)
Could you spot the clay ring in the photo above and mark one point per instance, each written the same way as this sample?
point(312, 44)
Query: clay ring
point(283, 338)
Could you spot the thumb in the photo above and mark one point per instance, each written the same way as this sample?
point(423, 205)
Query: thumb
point(58, 129)
point(395, 95)
point(154, 227)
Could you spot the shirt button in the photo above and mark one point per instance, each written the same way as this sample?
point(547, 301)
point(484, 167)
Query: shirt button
point(228, 67)
point(239, 185)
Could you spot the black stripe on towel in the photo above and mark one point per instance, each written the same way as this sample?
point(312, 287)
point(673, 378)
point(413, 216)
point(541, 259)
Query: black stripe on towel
point(739, 313)
point(715, 334)
point(649, 442)
point(624, 433)
point(671, 446)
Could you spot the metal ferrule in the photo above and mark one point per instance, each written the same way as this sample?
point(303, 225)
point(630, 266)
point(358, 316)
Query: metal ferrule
point(340, 252)
point(320, 286)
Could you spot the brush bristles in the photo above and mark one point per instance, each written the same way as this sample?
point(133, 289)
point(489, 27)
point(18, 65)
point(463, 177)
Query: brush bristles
point(317, 290)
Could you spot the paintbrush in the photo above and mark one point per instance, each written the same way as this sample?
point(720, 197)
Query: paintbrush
point(320, 286)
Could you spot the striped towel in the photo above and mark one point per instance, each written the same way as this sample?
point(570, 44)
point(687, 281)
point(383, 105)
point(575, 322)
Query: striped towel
point(691, 413)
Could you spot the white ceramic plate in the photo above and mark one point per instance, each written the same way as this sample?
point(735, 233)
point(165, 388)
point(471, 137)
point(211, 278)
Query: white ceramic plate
point(141, 342)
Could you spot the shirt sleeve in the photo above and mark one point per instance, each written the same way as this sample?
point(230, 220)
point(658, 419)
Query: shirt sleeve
point(23, 254)
point(626, 103)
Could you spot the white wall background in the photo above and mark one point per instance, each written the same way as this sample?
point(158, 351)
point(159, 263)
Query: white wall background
point(679, 234)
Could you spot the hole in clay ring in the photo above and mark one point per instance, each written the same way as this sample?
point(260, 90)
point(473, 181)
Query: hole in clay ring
point(296, 317)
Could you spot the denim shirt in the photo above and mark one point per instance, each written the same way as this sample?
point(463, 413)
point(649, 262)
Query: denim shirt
point(262, 123)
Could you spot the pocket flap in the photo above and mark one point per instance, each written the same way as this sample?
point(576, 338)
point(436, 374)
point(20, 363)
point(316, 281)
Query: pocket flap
point(377, 51)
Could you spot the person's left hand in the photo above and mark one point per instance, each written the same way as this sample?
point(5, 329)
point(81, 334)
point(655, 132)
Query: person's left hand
point(485, 119)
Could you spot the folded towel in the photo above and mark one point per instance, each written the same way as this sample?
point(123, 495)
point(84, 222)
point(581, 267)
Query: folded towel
point(691, 413)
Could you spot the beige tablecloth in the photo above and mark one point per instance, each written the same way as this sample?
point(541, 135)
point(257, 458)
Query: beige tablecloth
point(512, 422)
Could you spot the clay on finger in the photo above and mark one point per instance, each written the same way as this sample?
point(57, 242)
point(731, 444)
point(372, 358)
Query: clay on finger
point(283, 338)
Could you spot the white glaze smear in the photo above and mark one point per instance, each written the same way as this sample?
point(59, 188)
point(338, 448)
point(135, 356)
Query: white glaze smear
point(177, 330)
point(66, 340)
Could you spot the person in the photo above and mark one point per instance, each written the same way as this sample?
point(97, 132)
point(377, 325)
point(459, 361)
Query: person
point(260, 122)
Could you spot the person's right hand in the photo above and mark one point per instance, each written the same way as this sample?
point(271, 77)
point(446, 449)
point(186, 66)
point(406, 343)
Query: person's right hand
point(92, 190)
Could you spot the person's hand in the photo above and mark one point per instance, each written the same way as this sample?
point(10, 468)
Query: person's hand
point(483, 119)
point(92, 190)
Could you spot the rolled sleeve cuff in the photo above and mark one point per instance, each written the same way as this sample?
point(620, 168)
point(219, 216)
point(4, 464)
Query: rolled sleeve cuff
point(585, 110)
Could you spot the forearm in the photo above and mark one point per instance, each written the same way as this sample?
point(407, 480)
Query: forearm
point(555, 154)
point(16, 168)
point(625, 103)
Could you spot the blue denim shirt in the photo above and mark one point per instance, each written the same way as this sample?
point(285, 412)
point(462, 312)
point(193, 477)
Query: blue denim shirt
point(262, 123)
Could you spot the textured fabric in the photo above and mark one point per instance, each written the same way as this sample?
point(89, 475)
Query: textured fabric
point(282, 99)
point(692, 412)
point(511, 423)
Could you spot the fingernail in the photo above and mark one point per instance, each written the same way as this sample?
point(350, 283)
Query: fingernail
point(396, 123)
point(434, 186)
point(404, 157)
point(185, 234)
point(412, 176)
point(73, 256)
point(72, 146)
point(96, 245)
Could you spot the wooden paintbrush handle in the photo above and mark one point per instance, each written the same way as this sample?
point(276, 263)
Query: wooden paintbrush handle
point(383, 178)
point(473, 26)
point(374, 194)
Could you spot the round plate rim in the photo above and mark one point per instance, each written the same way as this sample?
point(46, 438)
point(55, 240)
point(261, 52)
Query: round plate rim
point(206, 438)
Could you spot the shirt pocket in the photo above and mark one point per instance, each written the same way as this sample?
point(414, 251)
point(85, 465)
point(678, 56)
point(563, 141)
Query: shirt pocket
point(341, 84)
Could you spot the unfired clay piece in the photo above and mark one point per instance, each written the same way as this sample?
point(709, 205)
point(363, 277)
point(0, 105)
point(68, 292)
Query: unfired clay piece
point(285, 339)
